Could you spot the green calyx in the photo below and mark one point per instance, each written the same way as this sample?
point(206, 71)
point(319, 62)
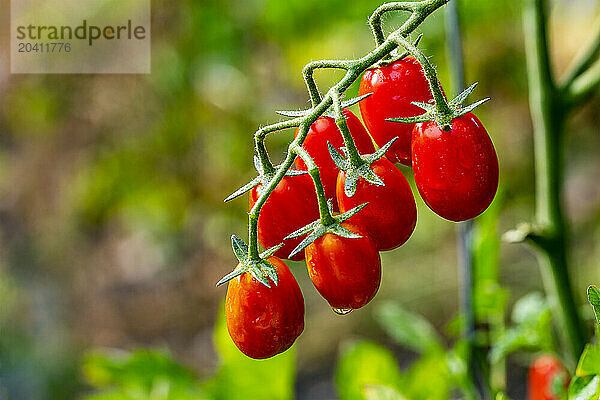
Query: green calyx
point(262, 177)
point(360, 169)
point(317, 229)
point(328, 113)
point(260, 269)
point(443, 118)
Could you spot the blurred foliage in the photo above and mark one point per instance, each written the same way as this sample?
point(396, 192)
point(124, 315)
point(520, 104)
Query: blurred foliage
point(145, 374)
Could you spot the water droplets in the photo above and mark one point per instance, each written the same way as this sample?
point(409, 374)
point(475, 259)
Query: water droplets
point(341, 311)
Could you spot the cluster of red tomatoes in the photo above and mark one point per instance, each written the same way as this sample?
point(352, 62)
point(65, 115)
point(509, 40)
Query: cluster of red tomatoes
point(456, 173)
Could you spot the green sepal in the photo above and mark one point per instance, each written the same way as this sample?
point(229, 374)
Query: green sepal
point(380, 152)
point(337, 158)
point(328, 113)
point(363, 171)
point(343, 232)
point(316, 229)
point(443, 120)
point(458, 100)
point(248, 186)
point(469, 108)
point(319, 231)
point(261, 269)
point(233, 274)
point(240, 249)
point(429, 107)
point(413, 120)
point(270, 251)
point(261, 178)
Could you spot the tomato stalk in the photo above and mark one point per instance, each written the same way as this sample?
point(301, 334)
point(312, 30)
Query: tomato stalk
point(324, 213)
point(354, 68)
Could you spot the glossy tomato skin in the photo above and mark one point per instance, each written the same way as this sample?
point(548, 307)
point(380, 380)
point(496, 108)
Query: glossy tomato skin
point(394, 87)
point(391, 215)
point(262, 321)
point(346, 272)
point(547, 375)
point(292, 205)
point(456, 172)
point(324, 130)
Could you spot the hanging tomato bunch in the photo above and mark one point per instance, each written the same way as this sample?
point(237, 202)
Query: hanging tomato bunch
point(358, 203)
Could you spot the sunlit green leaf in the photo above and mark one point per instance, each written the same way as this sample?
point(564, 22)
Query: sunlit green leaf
point(365, 363)
point(409, 329)
point(589, 362)
point(584, 388)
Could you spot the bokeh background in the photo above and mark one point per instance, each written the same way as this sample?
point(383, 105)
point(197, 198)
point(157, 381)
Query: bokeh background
point(113, 229)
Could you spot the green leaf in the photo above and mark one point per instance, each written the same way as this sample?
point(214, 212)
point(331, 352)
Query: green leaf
point(141, 374)
point(529, 309)
point(381, 392)
point(589, 362)
point(242, 378)
point(531, 330)
point(365, 363)
point(428, 378)
point(409, 329)
point(594, 299)
point(584, 388)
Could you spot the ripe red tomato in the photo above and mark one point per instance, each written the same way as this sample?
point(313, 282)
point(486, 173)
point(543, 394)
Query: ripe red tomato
point(292, 205)
point(391, 215)
point(394, 87)
point(262, 321)
point(547, 378)
point(345, 271)
point(324, 130)
point(456, 172)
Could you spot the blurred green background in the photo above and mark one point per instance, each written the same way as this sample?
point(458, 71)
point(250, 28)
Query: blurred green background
point(113, 229)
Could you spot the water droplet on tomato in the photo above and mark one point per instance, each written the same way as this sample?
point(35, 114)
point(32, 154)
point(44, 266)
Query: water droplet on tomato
point(342, 311)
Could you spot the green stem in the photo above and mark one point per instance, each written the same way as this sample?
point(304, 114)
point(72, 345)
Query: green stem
point(340, 120)
point(584, 86)
point(585, 58)
point(355, 68)
point(313, 170)
point(444, 112)
point(548, 115)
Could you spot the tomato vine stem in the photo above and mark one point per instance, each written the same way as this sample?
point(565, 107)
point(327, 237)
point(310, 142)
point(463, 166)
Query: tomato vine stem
point(419, 12)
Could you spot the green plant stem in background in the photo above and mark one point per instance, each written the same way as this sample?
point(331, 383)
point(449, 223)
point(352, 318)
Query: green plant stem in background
point(549, 111)
point(465, 229)
point(354, 68)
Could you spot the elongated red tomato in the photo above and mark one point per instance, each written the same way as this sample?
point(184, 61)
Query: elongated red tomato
point(325, 130)
point(292, 205)
point(394, 87)
point(346, 272)
point(264, 321)
point(456, 172)
point(391, 215)
point(548, 379)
